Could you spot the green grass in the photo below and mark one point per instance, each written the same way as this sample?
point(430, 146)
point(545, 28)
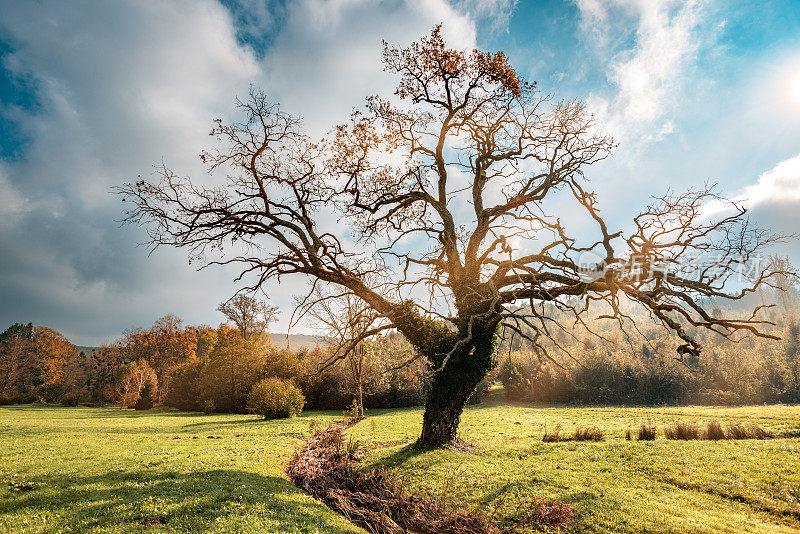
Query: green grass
point(618, 485)
point(112, 470)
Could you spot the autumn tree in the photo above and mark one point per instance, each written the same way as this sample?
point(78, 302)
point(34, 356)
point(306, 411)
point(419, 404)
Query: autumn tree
point(103, 365)
point(57, 361)
point(164, 346)
point(231, 369)
point(206, 338)
point(17, 329)
point(17, 361)
point(455, 190)
point(250, 315)
point(132, 379)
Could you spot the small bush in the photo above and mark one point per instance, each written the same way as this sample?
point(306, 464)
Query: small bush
point(72, 399)
point(209, 406)
point(682, 431)
point(145, 401)
point(354, 413)
point(275, 399)
point(588, 434)
point(714, 431)
point(554, 436)
point(647, 432)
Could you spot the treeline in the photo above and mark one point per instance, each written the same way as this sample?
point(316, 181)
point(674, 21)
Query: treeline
point(197, 368)
point(609, 368)
point(38, 364)
point(200, 368)
point(221, 379)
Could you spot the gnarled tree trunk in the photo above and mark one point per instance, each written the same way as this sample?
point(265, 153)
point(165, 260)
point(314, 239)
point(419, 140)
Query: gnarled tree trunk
point(453, 384)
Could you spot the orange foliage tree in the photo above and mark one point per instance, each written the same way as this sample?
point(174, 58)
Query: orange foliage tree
point(17, 366)
point(164, 346)
point(54, 354)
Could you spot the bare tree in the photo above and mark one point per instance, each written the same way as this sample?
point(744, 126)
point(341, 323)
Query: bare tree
point(348, 321)
point(251, 316)
point(785, 286)
point(454, 188)
point(131, 381)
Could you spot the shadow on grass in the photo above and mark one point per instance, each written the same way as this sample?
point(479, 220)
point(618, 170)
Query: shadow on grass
point(402, 455)
point(185, 502)
point(96, 412)
point(215, 423)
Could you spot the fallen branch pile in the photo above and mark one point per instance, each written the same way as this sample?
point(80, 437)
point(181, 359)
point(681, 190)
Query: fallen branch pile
point(326, 467)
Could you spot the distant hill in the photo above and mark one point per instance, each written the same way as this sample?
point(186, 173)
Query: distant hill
point(296, 342)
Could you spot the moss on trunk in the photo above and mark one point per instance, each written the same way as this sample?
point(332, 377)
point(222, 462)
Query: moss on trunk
point(467, 364)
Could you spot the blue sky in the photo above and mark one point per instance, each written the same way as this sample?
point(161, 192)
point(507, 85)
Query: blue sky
point(95, 93)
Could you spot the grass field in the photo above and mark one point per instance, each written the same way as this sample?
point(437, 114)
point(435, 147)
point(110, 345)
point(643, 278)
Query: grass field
point(116, 470)
point(113, 470)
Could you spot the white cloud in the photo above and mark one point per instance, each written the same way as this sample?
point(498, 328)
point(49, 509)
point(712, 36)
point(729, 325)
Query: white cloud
point(646, 75)
point(322, 74)
point(772, 202)
point(125, 84)
point(12, 202)
point(780, 185)
point(121, 86)
point(495, 14)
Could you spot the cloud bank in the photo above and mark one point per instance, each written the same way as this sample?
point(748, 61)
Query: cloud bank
point(121, 86)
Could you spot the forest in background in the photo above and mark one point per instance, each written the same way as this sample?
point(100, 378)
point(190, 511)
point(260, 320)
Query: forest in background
point(201, 368)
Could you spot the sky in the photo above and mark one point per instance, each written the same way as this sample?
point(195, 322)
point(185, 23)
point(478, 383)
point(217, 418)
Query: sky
point(93, 94)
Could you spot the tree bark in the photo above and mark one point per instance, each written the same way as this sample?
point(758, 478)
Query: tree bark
point(453, 384)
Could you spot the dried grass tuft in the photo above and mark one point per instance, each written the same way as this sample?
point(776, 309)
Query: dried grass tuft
point(682, 431)
point(588, 434)
point(554, 436)
point(647, 432)
point(714, 431)
point(748, 431)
